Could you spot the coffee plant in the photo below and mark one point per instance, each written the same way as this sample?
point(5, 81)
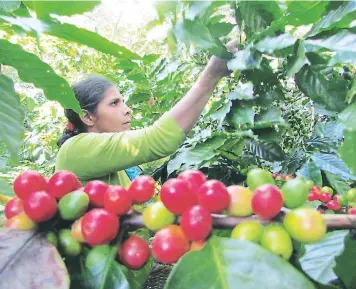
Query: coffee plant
point(274, 148)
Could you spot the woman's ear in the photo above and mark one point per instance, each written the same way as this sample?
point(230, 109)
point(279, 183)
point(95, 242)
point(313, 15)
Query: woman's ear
point(87, 118)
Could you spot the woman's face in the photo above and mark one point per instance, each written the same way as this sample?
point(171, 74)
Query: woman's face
point(112, 114)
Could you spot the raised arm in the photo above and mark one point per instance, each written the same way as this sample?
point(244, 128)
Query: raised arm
point(187, 111)
point(94, 155)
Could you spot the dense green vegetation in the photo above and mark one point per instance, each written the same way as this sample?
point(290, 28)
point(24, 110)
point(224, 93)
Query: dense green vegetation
point(288, 105)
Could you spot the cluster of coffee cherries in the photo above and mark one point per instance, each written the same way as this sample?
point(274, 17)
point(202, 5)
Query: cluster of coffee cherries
point(181, 217)
point(88, 215)
point(333, 202)
point(195, 200)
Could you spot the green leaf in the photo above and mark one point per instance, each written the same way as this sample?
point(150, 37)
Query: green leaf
point(348, 117)
point(338, 184)
point(216, 105)
point(345, 48)
point(214, 13)
point(30, 26)
point(193, 156)
point(241, 115)
point(6, 188)
point(243, 91)
point(293, 161)
point(196, 8)
point(9, 5)
point(165, 8)
point(232, 148)
point(269, 151)
point(138, 97)
point(332, 164)
point(267, 97)
point(91, 39)
point(24, 254)
point(222, 232)
point(220, 29)
point(11, 117)
point(143, 233)
point(319, 259)
point(21, 11)
point(346, 57)
point(195, 32)
point(264, 80)
point(277, 27)
point(149, 58)
point(234, 264)
point(333, 18)
point(348, 150)
point(158, 66)
point(298, 59)
point(328, 92)
point(216, 18)
point(305, 12)
point(30, 104)
point(31, 69)
point(331, 129)
point(320, 109)
point(138, 77)
point(258, 15)
point(107, 273)
point(321, 143)
point(311, 172)
point(220, 113)
point(71, 33)
point(268, 134)
point(245, 59)
point(137, 278)
point(67, 8)
point(126, 65)
point(352, 92)
point(271, 44)
point(168, 69)
point(346, 265)
point(311, 204)
point(269, 118)
point(315, 58)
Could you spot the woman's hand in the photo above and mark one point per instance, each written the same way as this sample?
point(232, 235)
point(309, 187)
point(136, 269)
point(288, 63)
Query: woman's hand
point(217, 65)
point(187, 111)
point(232, 46)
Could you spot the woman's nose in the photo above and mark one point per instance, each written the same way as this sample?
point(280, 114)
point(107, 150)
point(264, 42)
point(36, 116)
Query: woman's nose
point(127, 110)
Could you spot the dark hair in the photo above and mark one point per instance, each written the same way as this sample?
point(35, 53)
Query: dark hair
point(89, 92)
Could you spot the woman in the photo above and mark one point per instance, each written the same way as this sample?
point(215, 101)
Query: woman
point(100, 144)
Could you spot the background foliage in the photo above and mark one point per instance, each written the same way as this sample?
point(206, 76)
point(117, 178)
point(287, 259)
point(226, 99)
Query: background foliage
point(288, 105)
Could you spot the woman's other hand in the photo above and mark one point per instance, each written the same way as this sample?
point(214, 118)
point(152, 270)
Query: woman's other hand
point(217, 65)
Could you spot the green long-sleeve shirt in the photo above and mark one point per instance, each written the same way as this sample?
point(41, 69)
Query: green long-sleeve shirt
point(104, 156)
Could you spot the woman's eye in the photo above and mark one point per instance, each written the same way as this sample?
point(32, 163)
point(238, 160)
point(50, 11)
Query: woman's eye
point(115, 102)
